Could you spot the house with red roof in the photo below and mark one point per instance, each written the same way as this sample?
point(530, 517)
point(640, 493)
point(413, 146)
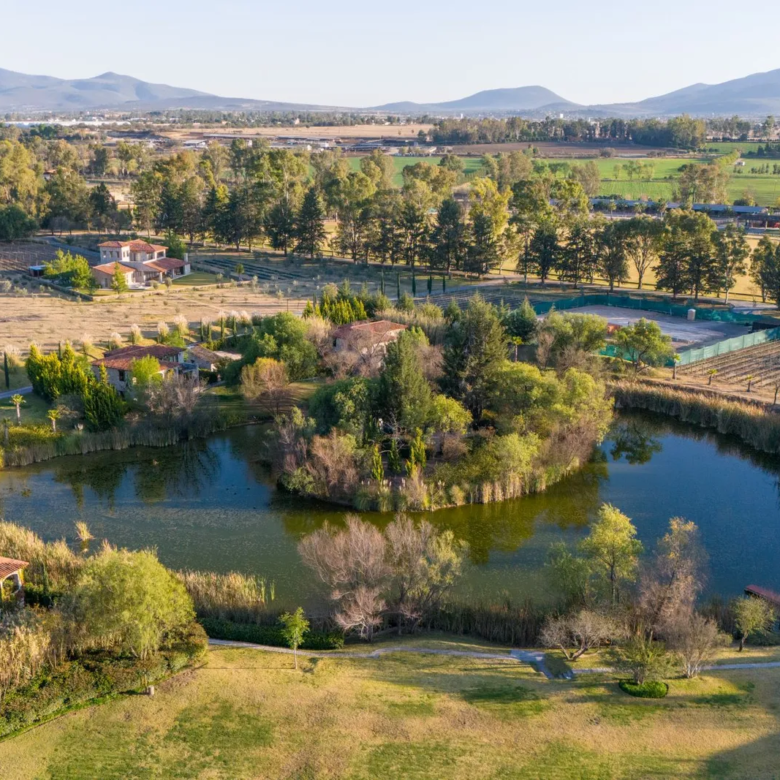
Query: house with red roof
point(119, 363)
point(141, 262)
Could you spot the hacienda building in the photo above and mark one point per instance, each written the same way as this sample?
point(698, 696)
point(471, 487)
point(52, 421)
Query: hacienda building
point(141, 263)
point(119, 363)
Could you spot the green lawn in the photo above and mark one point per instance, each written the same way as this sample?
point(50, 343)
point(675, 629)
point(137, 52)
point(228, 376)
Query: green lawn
point(196, 277)
point(33, 410)
point(249, 714)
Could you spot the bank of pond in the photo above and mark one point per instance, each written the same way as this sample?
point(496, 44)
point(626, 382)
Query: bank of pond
point(213, 505)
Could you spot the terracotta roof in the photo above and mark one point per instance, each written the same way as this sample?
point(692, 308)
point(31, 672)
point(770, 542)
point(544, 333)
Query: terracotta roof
point(10, 565)
point(765, 593)
point(136, 245)
point(205, 355)
point(164, 263)
point(377, 328)
point(109, 268)
point(160, 351)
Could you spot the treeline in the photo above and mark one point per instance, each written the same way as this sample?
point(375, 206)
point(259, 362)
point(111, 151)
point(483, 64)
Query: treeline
point(679, 132)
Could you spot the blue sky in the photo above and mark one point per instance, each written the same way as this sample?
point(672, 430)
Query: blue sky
point(359, 53)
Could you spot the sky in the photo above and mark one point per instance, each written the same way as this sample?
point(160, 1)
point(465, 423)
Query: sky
point(359, 53)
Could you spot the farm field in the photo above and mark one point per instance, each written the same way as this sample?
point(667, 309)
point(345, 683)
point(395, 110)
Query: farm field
point(249, 714)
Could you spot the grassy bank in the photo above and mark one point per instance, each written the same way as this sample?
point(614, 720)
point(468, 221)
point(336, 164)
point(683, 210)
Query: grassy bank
point(751, 423)
point(248, 714)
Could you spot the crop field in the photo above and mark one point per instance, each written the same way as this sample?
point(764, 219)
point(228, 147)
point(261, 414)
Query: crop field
point(249, 714)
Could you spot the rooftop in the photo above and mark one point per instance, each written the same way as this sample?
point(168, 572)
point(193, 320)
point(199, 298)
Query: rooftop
point(10, 565)
point(110, 268)
point(135, 245)
point(773, 597)
point(376, 328)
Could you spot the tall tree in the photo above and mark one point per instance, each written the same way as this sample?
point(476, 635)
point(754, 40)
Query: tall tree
point(731, 253)
point(448, 236)
point(643, 242)
point(544, 249)
point(310, 224)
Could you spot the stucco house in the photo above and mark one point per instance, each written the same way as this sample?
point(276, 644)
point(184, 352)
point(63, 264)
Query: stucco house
point(119, 363)
point(367, 336)
point(147, 262)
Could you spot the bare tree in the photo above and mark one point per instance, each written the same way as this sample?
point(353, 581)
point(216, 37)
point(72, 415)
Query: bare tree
point(332, 464)
point(583, 631)
point(425, 564)
point(671, 582)
point(695, 639)
point(266, 382)
point(352, 564)
point(175, 398)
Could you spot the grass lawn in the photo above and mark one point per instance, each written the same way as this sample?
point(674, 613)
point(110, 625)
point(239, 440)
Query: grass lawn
point(249, 714)
point(33, 410)
point(232, 402)
point(196, 277)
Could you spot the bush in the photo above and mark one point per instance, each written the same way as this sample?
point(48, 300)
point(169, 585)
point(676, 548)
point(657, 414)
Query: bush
point(651, 689)
point(92, 677)
point(269, 635)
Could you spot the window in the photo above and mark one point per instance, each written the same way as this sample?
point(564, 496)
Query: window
point(121, 375)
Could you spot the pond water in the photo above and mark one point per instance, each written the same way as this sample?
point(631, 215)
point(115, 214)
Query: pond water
point(211, 505)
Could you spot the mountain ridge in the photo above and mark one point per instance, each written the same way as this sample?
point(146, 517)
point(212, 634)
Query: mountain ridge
point(757, 94)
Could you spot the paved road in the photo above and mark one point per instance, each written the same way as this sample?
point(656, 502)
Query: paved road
point(19, 390)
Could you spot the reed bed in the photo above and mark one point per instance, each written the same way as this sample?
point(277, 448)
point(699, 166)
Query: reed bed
point(752, 424)
point(240, 598)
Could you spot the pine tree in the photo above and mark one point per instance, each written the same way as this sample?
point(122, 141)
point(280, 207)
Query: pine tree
point(310, 225)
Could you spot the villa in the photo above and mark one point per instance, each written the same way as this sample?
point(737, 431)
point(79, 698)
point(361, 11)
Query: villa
point(141, 263)
point(119, 363)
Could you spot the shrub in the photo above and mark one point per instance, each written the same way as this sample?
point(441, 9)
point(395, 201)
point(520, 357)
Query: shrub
point(651, 689)
point(269, 635)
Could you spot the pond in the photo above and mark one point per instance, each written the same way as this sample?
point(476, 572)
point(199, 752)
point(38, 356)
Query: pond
point(211, 505)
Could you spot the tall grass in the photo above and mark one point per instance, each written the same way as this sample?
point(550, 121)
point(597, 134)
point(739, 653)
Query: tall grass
point(29, 446)
point(751, 423)
point(240, 598)
point(52, 564)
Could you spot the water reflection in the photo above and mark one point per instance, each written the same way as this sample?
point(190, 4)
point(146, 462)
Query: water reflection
point(212, 505)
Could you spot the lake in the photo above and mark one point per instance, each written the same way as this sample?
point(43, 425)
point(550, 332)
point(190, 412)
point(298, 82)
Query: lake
point(211, 505)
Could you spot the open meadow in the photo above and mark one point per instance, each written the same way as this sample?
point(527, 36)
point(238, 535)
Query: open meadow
point(249, 714)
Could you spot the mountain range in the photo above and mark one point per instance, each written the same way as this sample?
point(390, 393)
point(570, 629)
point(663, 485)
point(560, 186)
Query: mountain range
point(756, 95)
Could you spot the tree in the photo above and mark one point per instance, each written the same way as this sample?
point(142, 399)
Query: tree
point(731, 252)
point(580, 252)
point(686, 260)
point(752, 616)
point(266, 379)
point(17, 400)
point(309, 225)
point(15, 223)
point(404, 395)
point(103, 408)
point(118, 280)
point(613, 549)
point(695, 639)
point(145, 371)
point(765, 268)
point(643, 241)
point(613, 252)
point(543, 249)
point(294, 629)
point(474, 351)
point(642, 658)
point(644, 344)
point(483, 250)
point(448, 236)
point(129, 601)
point(280, 226)
point(53, 415)
point(583, 631)
point(522, 322)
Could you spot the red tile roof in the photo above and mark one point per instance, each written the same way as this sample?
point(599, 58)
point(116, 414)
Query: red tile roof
point(110, 268)
point(136, 245)
point(164, 264)
point(160, 351)
point(10, 565)
point(377, 328)
point(765, 593)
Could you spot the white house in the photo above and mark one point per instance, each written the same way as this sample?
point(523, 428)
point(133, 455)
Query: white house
point(148, 263)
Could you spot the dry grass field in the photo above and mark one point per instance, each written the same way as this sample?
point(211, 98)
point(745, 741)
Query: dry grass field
point(249, 714)
point(301, 131)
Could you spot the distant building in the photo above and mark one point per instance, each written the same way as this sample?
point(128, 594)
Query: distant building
point(367, 336)
point(142, 263)
point(119, 363)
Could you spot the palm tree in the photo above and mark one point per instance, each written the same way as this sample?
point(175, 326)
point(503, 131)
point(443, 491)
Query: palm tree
point(711, 373)
point(53, 415)
point(17, 400)
point(749, 378)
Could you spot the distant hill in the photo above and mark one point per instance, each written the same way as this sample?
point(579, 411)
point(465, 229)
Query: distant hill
point(20, 92)
point(752, 96)
point(489, 100)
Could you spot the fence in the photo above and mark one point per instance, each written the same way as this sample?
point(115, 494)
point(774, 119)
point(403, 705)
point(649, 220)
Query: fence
point(728, 345)
point(645, 304)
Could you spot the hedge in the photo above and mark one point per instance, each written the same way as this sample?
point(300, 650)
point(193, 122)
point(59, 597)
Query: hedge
point(269, 635)
point(652, 689)
point(93, 677)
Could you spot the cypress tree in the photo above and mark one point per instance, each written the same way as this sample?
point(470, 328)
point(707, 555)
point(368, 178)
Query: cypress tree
point(6, 371)
point(398, 287)
point(430, 284)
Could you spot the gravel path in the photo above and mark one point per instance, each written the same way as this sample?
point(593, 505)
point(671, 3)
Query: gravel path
point(534, 658)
